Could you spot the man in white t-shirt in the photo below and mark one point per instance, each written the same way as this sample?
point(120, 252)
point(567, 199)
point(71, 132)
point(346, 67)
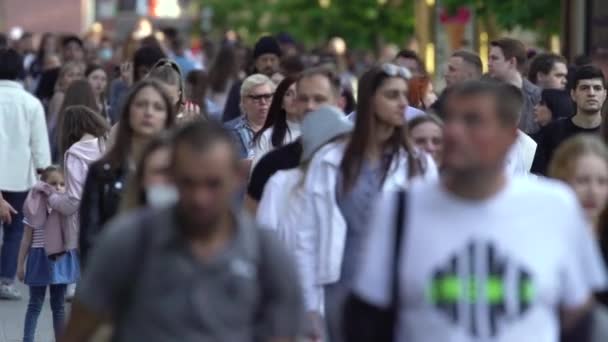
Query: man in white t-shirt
point(485, 257)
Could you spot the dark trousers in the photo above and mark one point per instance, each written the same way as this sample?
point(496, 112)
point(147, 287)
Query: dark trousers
point(12, 237)
point(37, 294)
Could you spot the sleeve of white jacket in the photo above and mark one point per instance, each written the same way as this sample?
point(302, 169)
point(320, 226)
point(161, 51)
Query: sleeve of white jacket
point(431, 171)
point(39, 140)
point(68, 203)
point(306, 259)
point(267, 214)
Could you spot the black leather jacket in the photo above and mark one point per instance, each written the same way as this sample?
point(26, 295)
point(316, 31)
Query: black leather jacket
point(100, 200)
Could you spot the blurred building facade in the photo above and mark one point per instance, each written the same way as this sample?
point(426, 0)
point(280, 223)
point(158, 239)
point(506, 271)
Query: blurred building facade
point(585, 27)
point(77, 16)
point(46, 15)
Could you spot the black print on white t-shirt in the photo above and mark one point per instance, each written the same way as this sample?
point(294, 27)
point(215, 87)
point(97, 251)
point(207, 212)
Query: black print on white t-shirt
point(481, 289)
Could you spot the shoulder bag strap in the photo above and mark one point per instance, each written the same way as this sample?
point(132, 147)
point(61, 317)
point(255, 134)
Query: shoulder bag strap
point(400, 230)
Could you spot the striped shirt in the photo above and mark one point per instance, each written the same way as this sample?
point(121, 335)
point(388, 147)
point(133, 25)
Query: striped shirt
point(37, 235)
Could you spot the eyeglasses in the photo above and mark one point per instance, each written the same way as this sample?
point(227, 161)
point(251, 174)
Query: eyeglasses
point(260, 97)
point(393, 70)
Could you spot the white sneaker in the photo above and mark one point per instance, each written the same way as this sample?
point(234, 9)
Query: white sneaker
point(9, 292)
point(70, 292)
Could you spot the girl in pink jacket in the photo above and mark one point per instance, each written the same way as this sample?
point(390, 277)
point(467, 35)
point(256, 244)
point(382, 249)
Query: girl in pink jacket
point(49, 262)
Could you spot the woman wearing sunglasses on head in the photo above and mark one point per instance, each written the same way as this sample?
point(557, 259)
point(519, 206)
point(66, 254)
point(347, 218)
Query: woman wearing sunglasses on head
point(168, 73)
point(343, 179)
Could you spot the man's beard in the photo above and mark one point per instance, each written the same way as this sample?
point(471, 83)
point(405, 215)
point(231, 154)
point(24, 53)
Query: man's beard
point(202, 229)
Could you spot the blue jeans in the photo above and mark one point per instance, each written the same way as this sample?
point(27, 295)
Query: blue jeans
point(34, 307)
point(12, 237)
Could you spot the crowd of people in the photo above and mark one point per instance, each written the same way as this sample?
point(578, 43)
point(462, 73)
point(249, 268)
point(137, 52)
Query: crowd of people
point(285, 198)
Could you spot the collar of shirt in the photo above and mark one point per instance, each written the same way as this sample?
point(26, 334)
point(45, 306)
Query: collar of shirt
point(529, 88)
point(173, 238)
point(10, 84)
point(243, 123)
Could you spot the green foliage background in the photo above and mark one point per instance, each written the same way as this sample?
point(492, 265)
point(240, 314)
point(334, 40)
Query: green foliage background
point(365, 23)
point(362, 23)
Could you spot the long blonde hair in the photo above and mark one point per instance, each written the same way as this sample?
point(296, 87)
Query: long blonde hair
point(60, 86)
point(565, 157)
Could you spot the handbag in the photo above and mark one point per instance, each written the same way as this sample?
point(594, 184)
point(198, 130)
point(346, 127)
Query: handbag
point(367, 322)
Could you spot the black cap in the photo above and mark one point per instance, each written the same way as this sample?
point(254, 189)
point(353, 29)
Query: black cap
point(266, 44)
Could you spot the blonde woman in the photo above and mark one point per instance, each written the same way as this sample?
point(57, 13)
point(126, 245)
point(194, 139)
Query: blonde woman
point(582, 162)
point(69, 72)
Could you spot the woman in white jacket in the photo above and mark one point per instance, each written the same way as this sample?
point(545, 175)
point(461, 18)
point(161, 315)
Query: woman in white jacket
point(341, 184)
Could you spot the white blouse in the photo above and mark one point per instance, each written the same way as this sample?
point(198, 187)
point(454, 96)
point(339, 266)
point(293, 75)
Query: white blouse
point(264, 145)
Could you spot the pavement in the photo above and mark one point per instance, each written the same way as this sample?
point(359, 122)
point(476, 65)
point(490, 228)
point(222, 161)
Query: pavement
point(12, 316)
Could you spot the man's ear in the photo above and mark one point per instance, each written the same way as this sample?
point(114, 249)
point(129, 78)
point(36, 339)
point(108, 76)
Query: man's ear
point(572, 94)
point(540, 77)
point(513, 62)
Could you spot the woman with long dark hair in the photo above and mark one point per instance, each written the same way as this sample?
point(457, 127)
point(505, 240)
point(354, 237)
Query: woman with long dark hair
point(79, 93)
point(282, 124)
point(69, 72)
point(147, 112)
point(47, 48)
point(197, 86)
point(222, 75)
point(343, 180)
point(81, 138)
point(98, 79)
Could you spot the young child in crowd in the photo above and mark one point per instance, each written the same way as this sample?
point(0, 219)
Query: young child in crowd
point(49, 263)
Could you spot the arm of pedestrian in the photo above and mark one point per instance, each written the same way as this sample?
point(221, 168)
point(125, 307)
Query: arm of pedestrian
point(570, 318)
point(82, 325)
point(39, 139)
point(106, 284)
point(26, 242)
point(305, 254)
point(68, 203)
point(282, 316)
point(190, 112)
point(267, 213)
point(542, 115)
point(6, 212)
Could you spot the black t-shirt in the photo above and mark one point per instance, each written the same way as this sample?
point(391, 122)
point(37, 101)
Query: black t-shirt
point(550, 137)
point(283, 158)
